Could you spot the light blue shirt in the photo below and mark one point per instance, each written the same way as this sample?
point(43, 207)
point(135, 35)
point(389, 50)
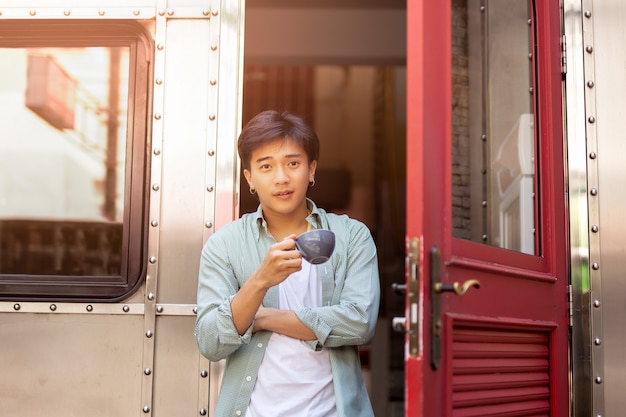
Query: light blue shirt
point(346, 319)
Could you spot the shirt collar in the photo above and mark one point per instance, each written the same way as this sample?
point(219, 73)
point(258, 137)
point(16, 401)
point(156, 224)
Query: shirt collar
point(314, 219)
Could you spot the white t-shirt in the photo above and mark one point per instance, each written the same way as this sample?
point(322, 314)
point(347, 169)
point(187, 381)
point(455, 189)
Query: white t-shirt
point(294, 380)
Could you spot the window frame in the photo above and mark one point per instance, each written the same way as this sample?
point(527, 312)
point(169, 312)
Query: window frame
point(110, 33)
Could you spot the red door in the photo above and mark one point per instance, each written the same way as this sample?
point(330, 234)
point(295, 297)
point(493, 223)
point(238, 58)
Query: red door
point(485, 211)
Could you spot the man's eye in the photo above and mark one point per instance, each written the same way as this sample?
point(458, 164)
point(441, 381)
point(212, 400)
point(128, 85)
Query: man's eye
point(294, 163)
point(265, 166)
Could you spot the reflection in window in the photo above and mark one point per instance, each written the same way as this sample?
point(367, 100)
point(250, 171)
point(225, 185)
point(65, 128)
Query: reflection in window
point(62, 160)
point(493, 132)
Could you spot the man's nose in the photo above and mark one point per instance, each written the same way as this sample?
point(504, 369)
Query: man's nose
point(281, 176)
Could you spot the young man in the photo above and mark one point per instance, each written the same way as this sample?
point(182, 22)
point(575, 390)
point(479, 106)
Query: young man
point(288, 329)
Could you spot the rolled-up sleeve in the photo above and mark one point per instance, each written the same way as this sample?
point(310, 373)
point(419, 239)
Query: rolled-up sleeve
point(349, 318)
point(215, 331)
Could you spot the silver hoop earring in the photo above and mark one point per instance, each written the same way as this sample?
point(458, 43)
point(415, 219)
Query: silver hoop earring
point(312, 182)
point(252, 191)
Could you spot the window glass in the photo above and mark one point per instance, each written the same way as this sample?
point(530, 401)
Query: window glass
point(494, 140)
point(62, 153)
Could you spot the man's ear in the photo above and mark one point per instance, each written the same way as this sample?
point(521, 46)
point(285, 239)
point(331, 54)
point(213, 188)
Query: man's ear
point(248, 176)
point(312, 168)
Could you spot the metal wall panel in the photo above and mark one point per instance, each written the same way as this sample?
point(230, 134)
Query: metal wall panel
point(183, 187)
point(176, 367)
point(608, 19)
point(70, 365)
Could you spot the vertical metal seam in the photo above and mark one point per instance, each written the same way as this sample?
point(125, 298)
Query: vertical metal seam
point(205, 374)
point(595, 274)
point(147, 382)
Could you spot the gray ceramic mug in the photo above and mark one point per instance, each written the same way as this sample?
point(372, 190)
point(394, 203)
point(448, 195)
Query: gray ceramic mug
point(316, 246)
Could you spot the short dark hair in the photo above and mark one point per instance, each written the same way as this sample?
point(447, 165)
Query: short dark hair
point(270, 125)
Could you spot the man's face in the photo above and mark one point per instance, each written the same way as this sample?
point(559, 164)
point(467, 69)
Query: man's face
point(280, 173)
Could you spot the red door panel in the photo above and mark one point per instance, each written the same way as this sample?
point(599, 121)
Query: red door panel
point(500, 347)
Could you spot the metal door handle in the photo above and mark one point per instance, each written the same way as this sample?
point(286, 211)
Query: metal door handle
point(456, 288)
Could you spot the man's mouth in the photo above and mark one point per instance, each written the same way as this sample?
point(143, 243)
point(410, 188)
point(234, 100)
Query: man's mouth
point(283, 193)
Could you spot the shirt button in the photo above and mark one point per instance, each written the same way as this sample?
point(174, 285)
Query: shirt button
point(238, 412)
point(260, 345)
point(248, 378)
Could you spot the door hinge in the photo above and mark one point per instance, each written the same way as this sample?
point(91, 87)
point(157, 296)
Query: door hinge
point(563, 55)
point(570, 305)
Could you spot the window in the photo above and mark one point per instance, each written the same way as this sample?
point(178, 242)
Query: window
point(494, 129)
point(73, 140)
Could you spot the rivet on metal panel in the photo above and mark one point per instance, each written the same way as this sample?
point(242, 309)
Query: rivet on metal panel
point(146, 409)
point(529, 21)
point(157, 151)
point(32, 12)
point(0, 12)
point(211, 116)
point(160, 309)
point(150, 296)
point(213, 81)
point(208, 225)
point(590, 84)
point(211, 152)
point(53, 307)
point(530, 55)
point(484, 203)
point(16, 306)
point(136, 12)
point(597, 341)
point(595, 266)
point(530, 90)
point(593, 192)
point(484, 238)
point(148, 333)
point(482, 9)
point(213, 47)
point(215, 12)
point(589, 48)
point(159, 81)
point(594, 228)
point(67, 12)
point(587, 14)
point(209, 188)
point(125, 309)
point(160, 46)
point(155, 187)
point(157, 116)
point(170, 12)
point(101, 12)
point(203, 412)
point(204, 373)
point(161, 12)
point(147, 371)
point(597, 303)
point(598, 380)
point(195, 310)
point(153, 259)
point(154, 223)
point(89, 307)
point(483, 137)
point(205, 12)
point(592, 119)
point(592, 155)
